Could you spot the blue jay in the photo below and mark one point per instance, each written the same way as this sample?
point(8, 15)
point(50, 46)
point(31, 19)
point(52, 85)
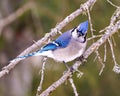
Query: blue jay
point(67, 47)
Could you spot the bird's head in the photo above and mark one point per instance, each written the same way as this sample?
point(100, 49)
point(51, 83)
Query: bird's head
point(79, 33)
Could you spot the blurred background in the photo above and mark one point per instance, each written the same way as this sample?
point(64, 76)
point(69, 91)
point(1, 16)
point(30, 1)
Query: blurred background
point(34, 19)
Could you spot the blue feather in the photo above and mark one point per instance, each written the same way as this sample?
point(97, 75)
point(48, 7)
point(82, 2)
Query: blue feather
point(64, 39)
point(61, 42)
point(49, 46)
point(83, 27)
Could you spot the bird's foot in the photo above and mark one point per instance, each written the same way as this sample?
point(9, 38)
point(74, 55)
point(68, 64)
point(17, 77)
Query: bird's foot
point(81, 58)
point(68, 68)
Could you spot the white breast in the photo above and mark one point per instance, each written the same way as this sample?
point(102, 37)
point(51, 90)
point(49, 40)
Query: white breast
point(71, 52)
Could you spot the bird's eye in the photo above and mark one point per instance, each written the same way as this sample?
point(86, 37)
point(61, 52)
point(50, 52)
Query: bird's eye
point(79, 33)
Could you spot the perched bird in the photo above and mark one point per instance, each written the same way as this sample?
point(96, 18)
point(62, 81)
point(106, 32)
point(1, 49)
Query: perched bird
point(67, 47)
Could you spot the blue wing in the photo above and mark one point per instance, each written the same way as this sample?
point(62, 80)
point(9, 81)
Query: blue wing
point(64, 39)
point(49, 46)
point(61, 42)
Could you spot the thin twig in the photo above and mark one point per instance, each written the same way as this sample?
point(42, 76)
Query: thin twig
point(90, 22)
point(105, 53)
point(79, 73)
point(42, 77)
point(93, 37)
point(112, 4)
point(103, 30)
point(112, 51)
point(113, 39)
point(116, 67)
point(101, 62)
point(73, 86)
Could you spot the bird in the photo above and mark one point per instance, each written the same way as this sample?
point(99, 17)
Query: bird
point(67, 47)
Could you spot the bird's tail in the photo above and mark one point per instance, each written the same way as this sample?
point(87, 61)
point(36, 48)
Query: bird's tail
point(26, 56)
